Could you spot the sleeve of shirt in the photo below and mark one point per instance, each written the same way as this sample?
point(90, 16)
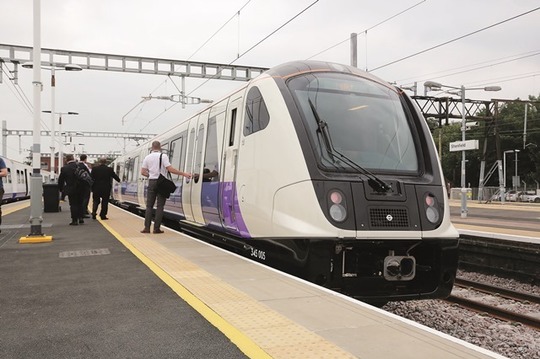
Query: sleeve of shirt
point(145, 163)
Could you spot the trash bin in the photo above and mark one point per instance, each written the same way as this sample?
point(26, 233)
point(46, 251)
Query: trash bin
point(51, 197)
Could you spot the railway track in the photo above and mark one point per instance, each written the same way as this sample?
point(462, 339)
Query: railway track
point(493, 310)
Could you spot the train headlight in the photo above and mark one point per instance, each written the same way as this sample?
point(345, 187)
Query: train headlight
point(432, 211)
point(338, 207)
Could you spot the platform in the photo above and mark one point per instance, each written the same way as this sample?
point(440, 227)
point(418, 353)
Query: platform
point(512, 221)
point(85, 295)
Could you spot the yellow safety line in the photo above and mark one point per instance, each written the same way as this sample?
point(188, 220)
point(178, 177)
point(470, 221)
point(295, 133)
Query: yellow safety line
point(14, 208)
point(244, 343)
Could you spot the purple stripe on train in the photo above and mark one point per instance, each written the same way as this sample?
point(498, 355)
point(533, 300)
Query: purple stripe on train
point(231, 220)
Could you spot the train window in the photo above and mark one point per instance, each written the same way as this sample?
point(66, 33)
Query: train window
point(198, 154)
point(126, 171)
point(176, 153)
point(233, 127)
point(257, 116)
point(189, 165)
point(165, 147)
point(211, 157)
point(131, 167)
point(135, 172)
point(364, 120)
point(8, 175)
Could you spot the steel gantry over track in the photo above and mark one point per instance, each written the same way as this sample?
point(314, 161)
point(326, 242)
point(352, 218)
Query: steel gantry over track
point(18, 55)
point(118, 135)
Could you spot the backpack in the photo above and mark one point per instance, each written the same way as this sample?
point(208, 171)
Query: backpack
point(82, 175)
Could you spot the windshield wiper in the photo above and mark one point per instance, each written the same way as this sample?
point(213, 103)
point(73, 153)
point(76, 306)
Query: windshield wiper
point(322, 127)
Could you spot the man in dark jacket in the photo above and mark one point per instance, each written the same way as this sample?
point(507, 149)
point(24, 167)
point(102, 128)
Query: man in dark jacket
point(101, 188)
point(73, 187)
point(87, 189)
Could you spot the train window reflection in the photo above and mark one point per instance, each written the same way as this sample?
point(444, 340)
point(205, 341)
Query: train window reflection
point(198, 154)
point(257, 116)
point(211, 156)
point(366, 121)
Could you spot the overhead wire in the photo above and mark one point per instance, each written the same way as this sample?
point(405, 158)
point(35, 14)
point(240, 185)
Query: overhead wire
point(507, 78)
point(19, 93)
point(237, 13)
point(257, 44)
point(456, 39)
point(21, 96)
point(486, 64)
point(368, 29)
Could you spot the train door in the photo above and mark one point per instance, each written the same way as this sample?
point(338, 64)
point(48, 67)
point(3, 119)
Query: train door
point(131, 193)
point(188, 183)
point(177, 157)
point(117, 186)
point(140, 179)
point(229, 210)
point(17, 193)
point(9, 188)
point(211, 165)
point(26, 181)
point(195, 185)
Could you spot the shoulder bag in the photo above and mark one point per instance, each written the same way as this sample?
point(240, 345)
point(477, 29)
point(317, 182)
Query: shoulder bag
point(165, 186)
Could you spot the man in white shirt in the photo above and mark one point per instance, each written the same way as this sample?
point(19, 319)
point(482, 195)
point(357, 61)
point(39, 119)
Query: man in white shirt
point(150, 168)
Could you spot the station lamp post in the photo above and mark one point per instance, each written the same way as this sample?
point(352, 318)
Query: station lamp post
point(36, 235)
point(60, 142)
point(66, 67)
point(461, 90)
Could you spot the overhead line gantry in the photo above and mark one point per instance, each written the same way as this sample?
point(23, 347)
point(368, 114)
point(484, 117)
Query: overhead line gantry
point(18, 55)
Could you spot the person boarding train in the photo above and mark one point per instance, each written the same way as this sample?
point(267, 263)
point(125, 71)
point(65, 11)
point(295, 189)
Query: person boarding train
point(151, 168)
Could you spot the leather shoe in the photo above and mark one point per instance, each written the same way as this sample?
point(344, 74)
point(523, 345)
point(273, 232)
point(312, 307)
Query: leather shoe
point(81, 221)
point(158, 231)
point(145, 231)
point(93, 216)
point(74, 223)
point(104, 218)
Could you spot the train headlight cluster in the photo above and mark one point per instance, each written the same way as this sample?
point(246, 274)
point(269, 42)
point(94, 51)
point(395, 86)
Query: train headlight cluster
point(338, 206)
point(432, 211)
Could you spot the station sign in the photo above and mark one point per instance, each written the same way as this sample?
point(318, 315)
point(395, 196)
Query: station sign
point(463, 145)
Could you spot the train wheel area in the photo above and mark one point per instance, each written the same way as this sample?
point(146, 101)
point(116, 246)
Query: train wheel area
point(103, 289)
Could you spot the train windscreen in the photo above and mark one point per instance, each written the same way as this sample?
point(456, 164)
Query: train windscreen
point(358, 118)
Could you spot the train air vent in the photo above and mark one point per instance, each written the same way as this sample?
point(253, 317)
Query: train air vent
point(388, 218)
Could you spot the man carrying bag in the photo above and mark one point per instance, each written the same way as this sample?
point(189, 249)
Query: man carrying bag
point(154, 165)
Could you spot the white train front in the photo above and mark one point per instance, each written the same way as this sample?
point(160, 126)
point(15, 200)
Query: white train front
point(318, 169)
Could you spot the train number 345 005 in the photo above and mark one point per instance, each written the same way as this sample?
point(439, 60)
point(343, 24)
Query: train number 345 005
point(257, 253)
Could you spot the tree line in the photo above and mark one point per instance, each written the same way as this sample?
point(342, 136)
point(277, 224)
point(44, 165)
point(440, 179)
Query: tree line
point(511, 128)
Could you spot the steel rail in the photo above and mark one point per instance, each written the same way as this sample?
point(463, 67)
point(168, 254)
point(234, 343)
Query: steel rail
point(495, 312)
point(489, 289)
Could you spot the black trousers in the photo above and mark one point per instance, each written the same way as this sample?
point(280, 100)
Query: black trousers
point(76, 207)
point(103, 198)
point(86, 198)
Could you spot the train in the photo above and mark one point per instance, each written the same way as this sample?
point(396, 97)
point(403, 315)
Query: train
point(17, 182)
point(318, 169)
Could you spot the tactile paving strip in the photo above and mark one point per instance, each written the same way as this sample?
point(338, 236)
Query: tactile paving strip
point(272, 332)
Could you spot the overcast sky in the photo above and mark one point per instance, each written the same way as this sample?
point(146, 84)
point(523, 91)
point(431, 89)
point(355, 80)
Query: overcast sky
point(507, 55)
